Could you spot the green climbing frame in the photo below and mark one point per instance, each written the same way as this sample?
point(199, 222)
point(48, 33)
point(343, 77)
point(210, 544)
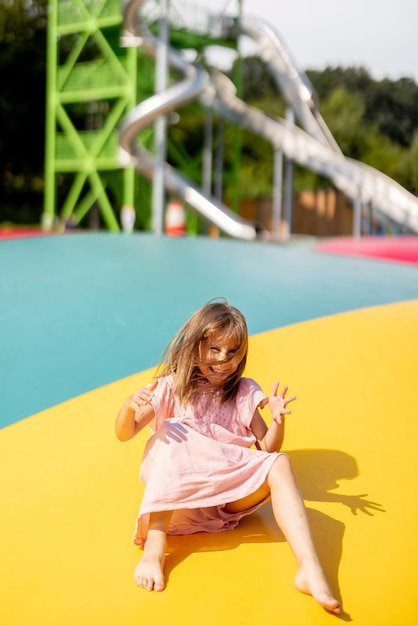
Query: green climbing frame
point(91, 84)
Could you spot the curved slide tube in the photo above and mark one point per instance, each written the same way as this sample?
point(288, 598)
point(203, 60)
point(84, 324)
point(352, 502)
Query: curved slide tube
point(196, 82)
point(312, 146)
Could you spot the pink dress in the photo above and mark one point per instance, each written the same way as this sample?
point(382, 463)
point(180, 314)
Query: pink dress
point(200, 458)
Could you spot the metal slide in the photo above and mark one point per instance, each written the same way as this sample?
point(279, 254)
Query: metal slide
point(196, 83)
point(312, 146)
point(357, 180)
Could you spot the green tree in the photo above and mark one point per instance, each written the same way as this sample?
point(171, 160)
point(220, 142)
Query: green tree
point(393, 107)
point(343, 112)
point(360, 138)
point(408, 166)
point(22, 108)
point(258, 83)
point(353, 79)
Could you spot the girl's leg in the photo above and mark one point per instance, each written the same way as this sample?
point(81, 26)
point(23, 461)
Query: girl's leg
point(149, 571)
point(290, 514)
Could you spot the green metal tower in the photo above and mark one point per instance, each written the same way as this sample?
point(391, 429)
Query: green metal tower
point(92, 82)
point(91, 85)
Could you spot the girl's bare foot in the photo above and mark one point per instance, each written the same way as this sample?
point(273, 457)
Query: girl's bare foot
point(149, 574)
point(314, 583)
point(149, 571)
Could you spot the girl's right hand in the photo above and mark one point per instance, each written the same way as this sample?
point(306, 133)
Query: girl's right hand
point(141, 398)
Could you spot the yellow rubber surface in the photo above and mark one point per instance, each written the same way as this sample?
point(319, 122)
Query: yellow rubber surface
point(70, 496)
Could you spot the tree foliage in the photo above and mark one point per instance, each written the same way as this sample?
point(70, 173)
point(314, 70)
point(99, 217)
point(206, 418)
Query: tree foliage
point(390, 105)
point(22, 108)
point(373, 121)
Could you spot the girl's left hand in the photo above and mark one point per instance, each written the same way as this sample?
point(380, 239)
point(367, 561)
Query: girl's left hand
point(278, 402)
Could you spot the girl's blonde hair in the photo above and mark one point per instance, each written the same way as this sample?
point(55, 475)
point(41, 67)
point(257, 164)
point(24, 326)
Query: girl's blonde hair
point(181, 356)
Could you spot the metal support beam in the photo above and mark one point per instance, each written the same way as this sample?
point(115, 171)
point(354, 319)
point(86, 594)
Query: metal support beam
point(160, 125)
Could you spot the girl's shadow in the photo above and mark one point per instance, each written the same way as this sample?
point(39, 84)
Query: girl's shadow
point(318, 473)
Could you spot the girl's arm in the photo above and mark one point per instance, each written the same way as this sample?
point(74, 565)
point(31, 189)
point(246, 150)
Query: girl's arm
point(271, 439)
point(135, 413)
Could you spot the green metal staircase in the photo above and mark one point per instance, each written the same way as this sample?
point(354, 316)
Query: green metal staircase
point(91, 85)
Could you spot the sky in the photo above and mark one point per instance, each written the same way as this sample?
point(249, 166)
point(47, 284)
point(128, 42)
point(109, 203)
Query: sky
point(379, 35)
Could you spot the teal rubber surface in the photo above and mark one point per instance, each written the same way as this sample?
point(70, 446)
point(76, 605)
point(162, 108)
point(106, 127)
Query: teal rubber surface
point(82, 310)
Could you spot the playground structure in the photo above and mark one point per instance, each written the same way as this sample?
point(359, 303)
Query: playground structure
point(310, 144)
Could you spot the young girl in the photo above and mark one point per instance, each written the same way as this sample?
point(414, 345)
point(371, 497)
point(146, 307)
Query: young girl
point(212, 459)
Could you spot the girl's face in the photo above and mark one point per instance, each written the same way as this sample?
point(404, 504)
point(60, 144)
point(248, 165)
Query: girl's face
point(218, 358)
